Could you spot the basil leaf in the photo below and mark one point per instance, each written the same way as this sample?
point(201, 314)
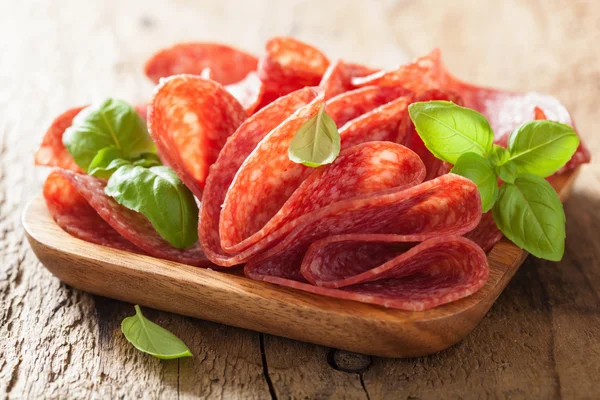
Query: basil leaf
point(507, 172)
point(542, 147)
point(481, 172)
point(158, 194)
point(449, 131)
point(499, 155)
point(107, 161)
point(109, 123)
point(148, 160)
point(151, 338)
point(530, 214)
point(317, 141)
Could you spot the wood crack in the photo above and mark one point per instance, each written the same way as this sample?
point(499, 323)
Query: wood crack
point(266, 367)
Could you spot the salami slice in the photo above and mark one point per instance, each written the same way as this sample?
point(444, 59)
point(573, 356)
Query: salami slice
point(249, 92)
point(226, 64)
point(422, 74)
point(52, 152)
point(289, 64)
point(338, 77)
point(131, 225)
point(486, 234)
point(231, 157)
point(447, 205)
point(352, 104)
point(387, 270)
point(190, 119)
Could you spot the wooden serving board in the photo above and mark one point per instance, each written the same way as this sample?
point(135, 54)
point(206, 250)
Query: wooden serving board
point(232, 299)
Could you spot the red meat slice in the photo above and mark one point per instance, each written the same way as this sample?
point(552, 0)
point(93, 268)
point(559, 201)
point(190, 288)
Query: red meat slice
point(190, 119)
point(338, 77)
point(132, 226)
point(226, 64)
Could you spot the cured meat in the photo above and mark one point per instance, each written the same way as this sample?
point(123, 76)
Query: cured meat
point(132, 226)
point(422, 74)
point(52, 152)
point(249, 92)
point(233, 154)
point(289, 64)
point(486, 234)
point(390, 271)
point(448, 205)
point(338, 77)
point(72, 213)
point(352, 104)
point(190, 119)
point(380, 124)
point(226, 64)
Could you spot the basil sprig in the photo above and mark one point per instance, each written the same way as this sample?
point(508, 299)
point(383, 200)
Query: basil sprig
point(148, 337)
point(159, 194)
point(525, 208)
point(317, 141)
point(110, 140)
point(109, 124)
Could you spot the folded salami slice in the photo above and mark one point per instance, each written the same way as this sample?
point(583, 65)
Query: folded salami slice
point(227, 65)
point(338, 77)
point(52, 152)
point(387, 270)
point(354, 103)
point(113, 225)
point(233, 154)
point(190, 119)
point(249, 92)
point(289, 64)
point(447, 205)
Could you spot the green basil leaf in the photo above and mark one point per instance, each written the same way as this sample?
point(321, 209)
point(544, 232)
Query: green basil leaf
point(317, 141)
point(449, 131)
point(107, 161)
point(481, 172)
point(148, 337)
point(499, 155)
point(148, 160)
point(158, 194)
point(507, 172)
point(542, 147)
point(109, 123)
point(529, 213)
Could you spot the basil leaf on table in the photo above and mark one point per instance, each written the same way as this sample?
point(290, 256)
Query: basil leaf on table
point(106, 161)
point(449, 131)
point(542, 147)
point(151, 338)
point(111, 123)
point(317, 141)
point(159, 194)
point(481, 172)
point(529, 213)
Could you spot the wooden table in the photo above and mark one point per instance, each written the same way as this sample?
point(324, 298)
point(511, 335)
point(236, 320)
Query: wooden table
point(540, 340)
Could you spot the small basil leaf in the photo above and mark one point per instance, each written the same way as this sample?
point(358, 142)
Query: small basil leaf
point(148, 160)
point(542, 147)
point(317, 141)
point(109, 123)
point(449, 131)
point(499, 155)
point(507, 172)
point(530, 214)
point(106, 161)
point(148, 337)
point(158, 194)
point(481, 172)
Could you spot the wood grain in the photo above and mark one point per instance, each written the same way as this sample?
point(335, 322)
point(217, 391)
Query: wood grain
point(540, 338)
point(228, 298)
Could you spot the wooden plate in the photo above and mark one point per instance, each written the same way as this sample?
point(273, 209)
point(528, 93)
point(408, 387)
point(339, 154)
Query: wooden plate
point(232, 299)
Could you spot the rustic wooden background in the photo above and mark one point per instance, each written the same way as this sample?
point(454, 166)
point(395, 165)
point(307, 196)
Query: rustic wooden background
point(540, 340)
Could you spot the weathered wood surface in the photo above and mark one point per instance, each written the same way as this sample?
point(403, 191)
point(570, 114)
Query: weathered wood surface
point(540, 340)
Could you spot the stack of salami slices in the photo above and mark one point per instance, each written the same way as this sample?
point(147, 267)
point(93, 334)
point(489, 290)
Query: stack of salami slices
point(385, 223)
